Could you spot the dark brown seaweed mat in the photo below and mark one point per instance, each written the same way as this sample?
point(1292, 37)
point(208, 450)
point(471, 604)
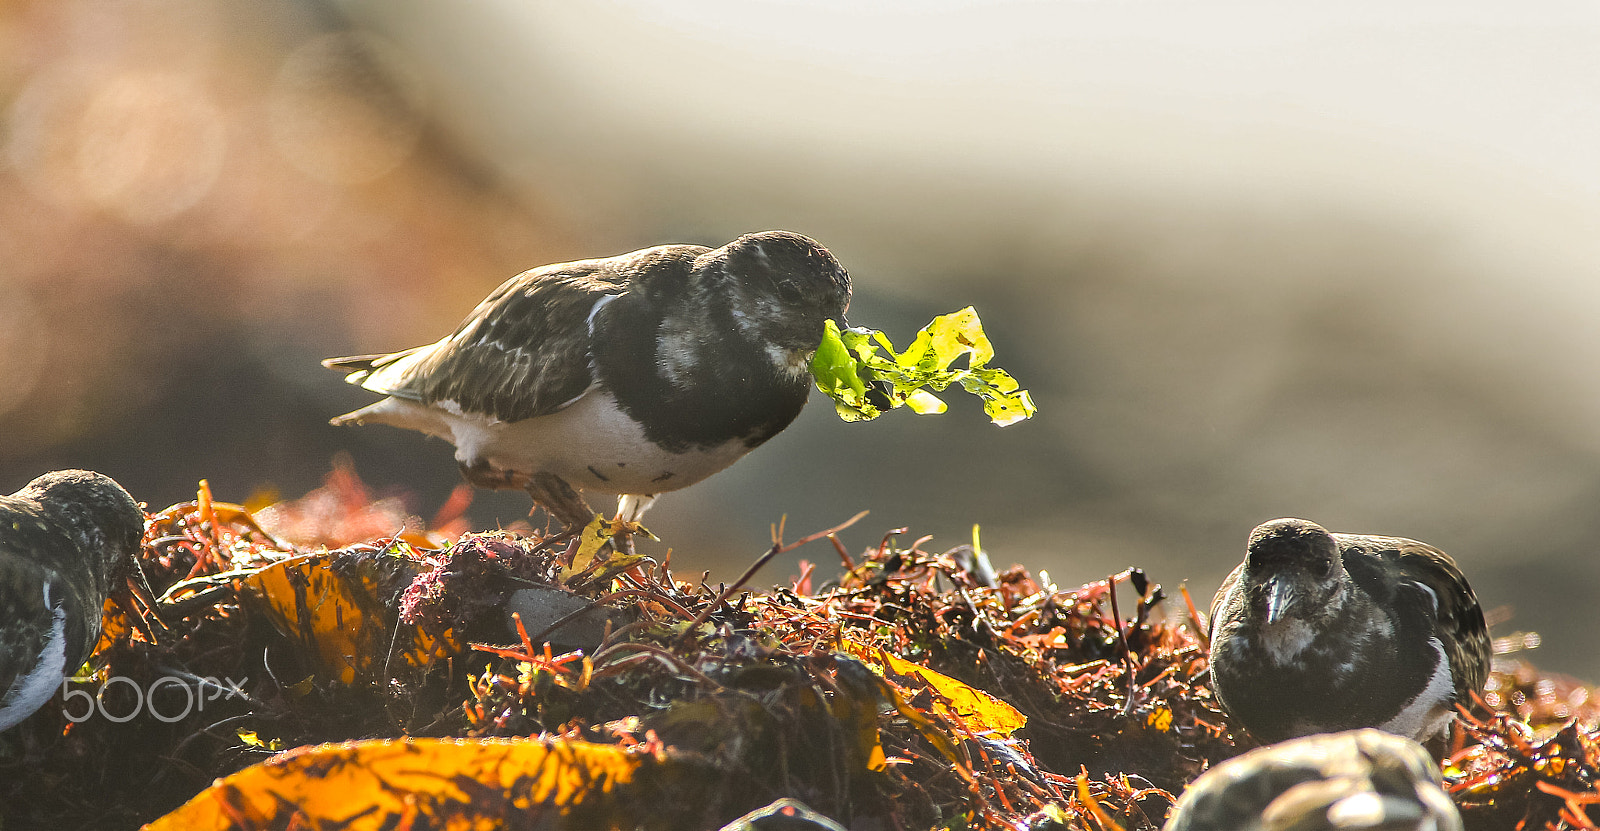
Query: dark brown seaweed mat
point(754, 695)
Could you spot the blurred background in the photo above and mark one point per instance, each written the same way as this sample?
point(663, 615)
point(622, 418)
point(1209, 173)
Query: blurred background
point(1252, 259)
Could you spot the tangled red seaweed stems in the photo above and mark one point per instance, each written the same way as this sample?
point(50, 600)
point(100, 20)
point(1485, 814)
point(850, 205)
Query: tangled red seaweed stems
point(894, 693)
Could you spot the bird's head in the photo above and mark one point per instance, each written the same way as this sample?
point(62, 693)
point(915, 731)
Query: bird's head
point(100, 515)
point(1294, 570)
point(783, 286)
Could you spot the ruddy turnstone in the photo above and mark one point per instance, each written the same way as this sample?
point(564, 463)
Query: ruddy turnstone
point(783, 815)
point(1316, 632)
point(66, 541)
point(629, 375)
point(1359, 779)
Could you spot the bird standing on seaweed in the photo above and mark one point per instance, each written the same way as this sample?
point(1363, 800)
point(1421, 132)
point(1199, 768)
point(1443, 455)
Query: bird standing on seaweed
point(630, 375)
point(1316, 632)
point(67, 540)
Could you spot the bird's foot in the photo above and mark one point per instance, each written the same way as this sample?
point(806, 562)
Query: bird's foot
point(617, 533)
point(481, 474)
point(630, 507)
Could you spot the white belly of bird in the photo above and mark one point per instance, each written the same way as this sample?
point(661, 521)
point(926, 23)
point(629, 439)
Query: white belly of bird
point(591, 444)
point(1427, 714)
point(31, 690)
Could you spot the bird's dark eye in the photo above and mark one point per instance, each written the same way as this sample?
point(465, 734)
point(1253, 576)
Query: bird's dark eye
point(789, 290)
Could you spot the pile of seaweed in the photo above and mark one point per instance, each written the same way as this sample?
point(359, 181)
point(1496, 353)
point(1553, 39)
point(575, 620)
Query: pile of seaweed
point(360, 679)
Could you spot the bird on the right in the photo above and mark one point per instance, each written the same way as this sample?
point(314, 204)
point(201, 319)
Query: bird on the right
point(1359, 780)
point(1317, 632)
point(786, 814)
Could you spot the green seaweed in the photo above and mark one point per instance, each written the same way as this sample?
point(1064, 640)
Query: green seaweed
point(862, 372)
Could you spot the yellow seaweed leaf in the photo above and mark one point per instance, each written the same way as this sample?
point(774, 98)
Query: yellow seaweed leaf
point(974, 709)
point(1159, 719)
point(594, 537)
point(930, 731)
point(416, 783)
point(588, 565)
point(339, 618)
point(857, 708)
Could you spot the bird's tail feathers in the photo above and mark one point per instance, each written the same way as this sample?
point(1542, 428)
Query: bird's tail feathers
point(355, 362)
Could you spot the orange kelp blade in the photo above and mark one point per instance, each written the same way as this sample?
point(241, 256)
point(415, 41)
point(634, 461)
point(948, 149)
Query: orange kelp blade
point(338, 615)
point(421, 783)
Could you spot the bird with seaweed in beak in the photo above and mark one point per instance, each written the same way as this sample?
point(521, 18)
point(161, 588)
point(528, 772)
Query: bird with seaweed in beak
point(630, 375)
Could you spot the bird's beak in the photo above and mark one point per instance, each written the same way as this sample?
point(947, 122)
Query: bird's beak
point(1282, 597)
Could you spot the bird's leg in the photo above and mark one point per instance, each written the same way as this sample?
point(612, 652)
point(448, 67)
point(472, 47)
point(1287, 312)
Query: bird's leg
point(560, 500)
point(549, 491)
point(481, 474)
point(622, 543)
point(630, 506)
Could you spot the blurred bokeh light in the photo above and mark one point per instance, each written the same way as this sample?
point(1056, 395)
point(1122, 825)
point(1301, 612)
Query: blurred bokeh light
point(1253, 260)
